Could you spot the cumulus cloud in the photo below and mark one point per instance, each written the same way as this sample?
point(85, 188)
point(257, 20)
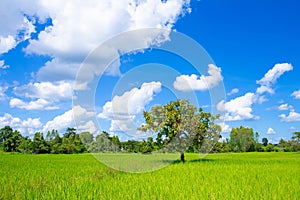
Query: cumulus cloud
point(46, 90)
point(239, 108)
point(225, 127)
point(89, 126)
point(233, 91)
point(7, 43)
point(123, 109)
point(270, 131)
point(43, 95)
point(28, 126)
point(285, 107)
point(291, 117)
point(296, 94)
point(271, 77)
point(264, 89)
point(79, 27)
point(57, 70)
point(20, 26)
point(65, 120)
point(39, 104)
point(193, 82)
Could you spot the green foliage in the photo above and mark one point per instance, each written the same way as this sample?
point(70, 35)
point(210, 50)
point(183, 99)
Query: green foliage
point(180, 125)
point(270, 148)
point(242, 139)
point(11, 140)
point(264, 141)
point(86, 137)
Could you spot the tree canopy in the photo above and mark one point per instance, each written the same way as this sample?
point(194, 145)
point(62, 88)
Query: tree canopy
point(179, 125)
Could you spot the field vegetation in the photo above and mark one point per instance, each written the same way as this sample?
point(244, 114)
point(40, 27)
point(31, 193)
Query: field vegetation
point(217, 176)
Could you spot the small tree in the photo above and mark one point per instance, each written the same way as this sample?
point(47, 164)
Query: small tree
point(12, 141)
point(296, 137)
point(86, 137)
point(264, 141)
point(180, 125)
point(71, 132)
point(242, 139)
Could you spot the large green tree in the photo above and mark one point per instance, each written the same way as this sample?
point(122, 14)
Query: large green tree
point(180, 124)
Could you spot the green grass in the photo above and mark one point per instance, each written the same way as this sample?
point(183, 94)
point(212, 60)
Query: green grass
point(217, 176)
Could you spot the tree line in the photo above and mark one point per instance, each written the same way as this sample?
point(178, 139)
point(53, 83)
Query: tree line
point(178, 126)
point(242, 139)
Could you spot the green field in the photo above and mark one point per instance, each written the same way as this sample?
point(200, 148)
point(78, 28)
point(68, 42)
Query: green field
point(217, 176)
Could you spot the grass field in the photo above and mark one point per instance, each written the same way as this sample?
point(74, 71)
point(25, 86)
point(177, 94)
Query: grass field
point(217, 176)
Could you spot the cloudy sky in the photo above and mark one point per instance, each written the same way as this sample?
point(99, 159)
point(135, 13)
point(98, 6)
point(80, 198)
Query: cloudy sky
point(46, 61)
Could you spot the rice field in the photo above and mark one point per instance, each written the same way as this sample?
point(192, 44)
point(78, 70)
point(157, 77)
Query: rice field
point(217, 176)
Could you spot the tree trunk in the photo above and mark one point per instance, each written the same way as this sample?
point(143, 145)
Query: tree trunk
point(182, 157)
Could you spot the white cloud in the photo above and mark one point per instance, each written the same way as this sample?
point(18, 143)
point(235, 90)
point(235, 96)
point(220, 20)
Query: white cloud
point(3, 89)
point(233, 91)
point(193, 82)
point(2, 65)
point(292, 117)
point(43, 95)
point(57, 70)
point(292, 128)
point(270, 131)
point(16, 28)
point(239, 108)
point(79, 27)
point(88, 126)
point(65, 120)
point(225, 127)
point(262, 89)
point(261, 99)
point(296, 94)
point(39, 104)
point(60, 122)
point(285, 107)
point(7, 43)
point(53, 91)
point(271, 77)
point(28, 126)
point(123, 109)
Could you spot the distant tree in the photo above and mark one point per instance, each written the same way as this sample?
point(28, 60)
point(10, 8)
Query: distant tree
point(25, 145)
point(51, 135)
point(296, 137)
point(9, 139)
point(242, 139)
point(270, 147)
point(5, 133)
point(86, 137)
point(55, 143)
point(71, 132)
point(220, 147)
point(12, 141)
point(39, 144)
point(115, 143)
point(79, 145)
point(180, 124)
point(147, 145)
point(264, 141)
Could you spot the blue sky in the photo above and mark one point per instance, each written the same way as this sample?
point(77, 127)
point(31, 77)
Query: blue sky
point(252, 53)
